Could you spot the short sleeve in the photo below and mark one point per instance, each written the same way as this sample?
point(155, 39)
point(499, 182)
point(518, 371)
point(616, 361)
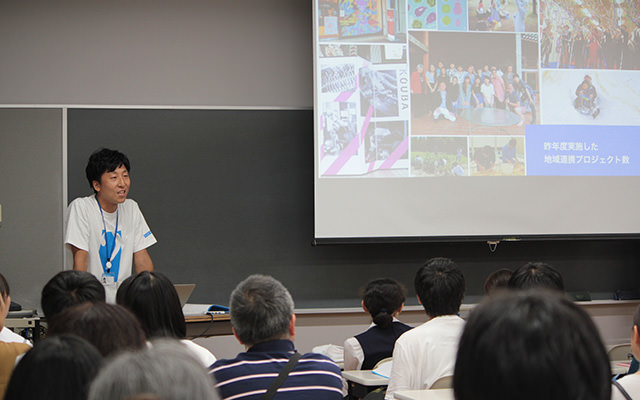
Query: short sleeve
point(77, 227)
point(143, 236)
point(353, 354)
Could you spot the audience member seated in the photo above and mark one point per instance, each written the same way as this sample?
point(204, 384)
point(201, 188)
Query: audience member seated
point(9, 351)
point(531, 345)
point(428, 352)
point(630, 383)
point(262, 319)
point(6, 334)
point(152, 298)
point(536, 275)
point(56, 368)
point(68, 288)
point(109, 327)
point(497, 281)
point(383, 299)
point(165, 370)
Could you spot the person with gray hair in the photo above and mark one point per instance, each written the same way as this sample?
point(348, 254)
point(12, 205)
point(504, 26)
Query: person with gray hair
point(164, 370)
point(263, 320)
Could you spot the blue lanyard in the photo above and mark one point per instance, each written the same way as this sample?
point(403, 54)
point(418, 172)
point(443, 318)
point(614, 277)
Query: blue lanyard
point(106, 239)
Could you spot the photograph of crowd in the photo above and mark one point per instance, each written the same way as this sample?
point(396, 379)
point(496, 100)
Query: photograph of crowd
point(591, 34)
point(503, 15)
point(474, 90)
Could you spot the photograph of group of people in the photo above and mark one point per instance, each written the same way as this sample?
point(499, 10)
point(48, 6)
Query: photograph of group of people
point(503, 15)
point(474, 90)
point(591, 34)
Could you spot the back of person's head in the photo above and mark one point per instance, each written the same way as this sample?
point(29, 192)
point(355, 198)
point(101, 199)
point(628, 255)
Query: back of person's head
point(531, 345)
point(382, 298)
point(165, 370)
point(104, 160)
point(60, 367)
point(153, 299)
point(110, 328)
point(68, 288)
point(536, 275)
point(261, 309)
point(440, 287)
point(497, 281)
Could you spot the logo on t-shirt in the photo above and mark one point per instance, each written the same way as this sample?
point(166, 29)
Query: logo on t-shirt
point(116, 252)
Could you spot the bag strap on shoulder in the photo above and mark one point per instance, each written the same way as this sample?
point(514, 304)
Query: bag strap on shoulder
point(289, 366)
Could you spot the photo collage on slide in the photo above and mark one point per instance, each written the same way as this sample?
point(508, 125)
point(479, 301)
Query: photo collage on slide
point(420, 88)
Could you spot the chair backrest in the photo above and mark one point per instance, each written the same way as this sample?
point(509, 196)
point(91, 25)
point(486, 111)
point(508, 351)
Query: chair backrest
point(620, 352)
point(383, 361)
point(444, 382)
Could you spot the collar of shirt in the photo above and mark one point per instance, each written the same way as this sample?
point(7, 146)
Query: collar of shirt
point(273, 346)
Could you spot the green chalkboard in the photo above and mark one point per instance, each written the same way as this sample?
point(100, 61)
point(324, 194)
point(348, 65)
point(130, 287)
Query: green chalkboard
point(229, 193)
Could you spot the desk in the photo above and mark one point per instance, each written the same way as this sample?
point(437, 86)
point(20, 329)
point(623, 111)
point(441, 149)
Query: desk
point(434, 394)
point(619, 367)
point(362, 382)
point(207, 325)
point(24, 320)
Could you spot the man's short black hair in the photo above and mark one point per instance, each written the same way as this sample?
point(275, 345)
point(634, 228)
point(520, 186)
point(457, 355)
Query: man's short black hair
point(68, 288)
point(535, 275)
point(531, 345)
point(440, 287)
point(104, 160)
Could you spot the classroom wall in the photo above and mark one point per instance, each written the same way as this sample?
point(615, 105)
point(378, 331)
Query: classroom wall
point(31, 199)
point(144, 52)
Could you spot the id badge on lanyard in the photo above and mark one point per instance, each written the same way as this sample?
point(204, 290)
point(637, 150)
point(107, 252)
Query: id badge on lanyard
point(108, 277)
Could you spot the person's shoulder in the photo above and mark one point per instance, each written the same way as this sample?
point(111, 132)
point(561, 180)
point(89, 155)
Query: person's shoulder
point(222, 364)
point(630, 383)
point(83, 202)
point(130, 205)
point(12, 349)
point(413, 333)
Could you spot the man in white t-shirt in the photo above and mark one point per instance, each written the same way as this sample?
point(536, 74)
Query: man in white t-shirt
point(428, 352)
point(107, 232)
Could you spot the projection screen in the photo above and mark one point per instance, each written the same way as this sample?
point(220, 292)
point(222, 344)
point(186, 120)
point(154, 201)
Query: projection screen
point(476, 118)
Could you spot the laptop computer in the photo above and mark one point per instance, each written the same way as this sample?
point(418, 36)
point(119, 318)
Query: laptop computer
point(184, 291)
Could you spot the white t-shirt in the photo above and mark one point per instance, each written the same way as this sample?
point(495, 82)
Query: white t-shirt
point(425, 353)
point(85, 229)
point(202, 353)
point(9, 336)
point(630, 383)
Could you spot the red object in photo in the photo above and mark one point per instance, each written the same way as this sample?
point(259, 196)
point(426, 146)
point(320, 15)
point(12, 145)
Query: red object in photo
point(391, 29)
